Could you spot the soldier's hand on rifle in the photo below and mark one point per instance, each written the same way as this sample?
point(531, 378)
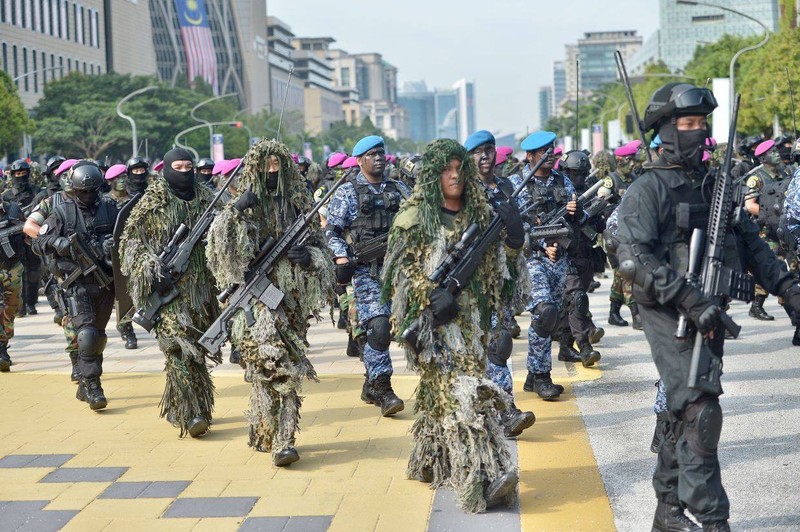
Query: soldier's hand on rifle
point(246, 200)
point(344, 270)
point(443, 306)
point(161, 284)
point(572, 205)
point(61, 246)
point(702, 311)
point(299, 255)
point(515, 231)
point(552, 251)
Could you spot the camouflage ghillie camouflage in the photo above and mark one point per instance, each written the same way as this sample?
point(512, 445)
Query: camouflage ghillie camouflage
point(11, 293)
point(189, 391)
point(458, 441)
point(604, 163)
point(273, 348)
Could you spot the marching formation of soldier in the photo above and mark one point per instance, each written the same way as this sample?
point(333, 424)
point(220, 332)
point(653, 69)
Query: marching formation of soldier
point(440, 253)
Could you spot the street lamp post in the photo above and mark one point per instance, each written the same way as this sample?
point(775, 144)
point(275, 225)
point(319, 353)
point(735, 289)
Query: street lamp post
point(195, 128)
point(767, 33)
point(206, 122)
point(134, 139)
point(26, 74)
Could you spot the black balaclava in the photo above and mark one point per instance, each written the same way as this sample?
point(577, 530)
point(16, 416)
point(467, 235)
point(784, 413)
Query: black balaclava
point(684, 148)
point(272, 180)
point(137, 183)
point(181, 183)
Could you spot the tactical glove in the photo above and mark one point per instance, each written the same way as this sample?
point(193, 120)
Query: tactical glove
point(299, 255)
point(61, 246)
point(246, 200)
point(161, 284)
point(701, 310)
point(444, 307)
point(515, 232)
point(344, 272)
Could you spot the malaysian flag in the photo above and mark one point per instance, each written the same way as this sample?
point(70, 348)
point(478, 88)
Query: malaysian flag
point(201, 60)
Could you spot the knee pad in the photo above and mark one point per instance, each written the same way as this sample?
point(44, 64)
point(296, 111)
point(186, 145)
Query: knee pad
point(379, 333)
point(703, 426)
point(89, 341)
point(544, 319)
point(502, 349)
point(101, 344)
point(581, 303)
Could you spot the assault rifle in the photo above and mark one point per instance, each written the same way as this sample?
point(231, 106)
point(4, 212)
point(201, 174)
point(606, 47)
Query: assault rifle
point(597, 206)
point(89, 263)
point(9, 229)
point(174, 259)
point(257, 286)
point(372, 249)
point(456, 269)
point(715, 280)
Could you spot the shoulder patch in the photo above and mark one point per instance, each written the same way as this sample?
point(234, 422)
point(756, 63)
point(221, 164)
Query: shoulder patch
point(608, 182)
point(753, 182)
point(406, 219)
point(43, 229)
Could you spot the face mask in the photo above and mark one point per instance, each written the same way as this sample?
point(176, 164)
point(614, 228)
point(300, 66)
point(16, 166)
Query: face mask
point(137, 183)
point(87, 197)
point(785, 153)
point(181, 183)
point(205, 178)
point(684, 148)
point(272, 180)
point(119, 184)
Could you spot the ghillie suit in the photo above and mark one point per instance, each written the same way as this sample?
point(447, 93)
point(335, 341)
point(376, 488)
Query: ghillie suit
point(273, 348)
point(604, 163)
point(458, 440)
point(189, 391)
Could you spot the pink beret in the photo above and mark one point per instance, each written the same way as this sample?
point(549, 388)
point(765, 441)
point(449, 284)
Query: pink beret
point(218, 166)
point(227, 166)
point(558, 151)
point(501, 157)
point(626, 150)
point(764, 147)
point(710, 141)
point(66, 165)
point(350, 162)
point(336, 158)
point(505, 150)
point(115, 171)
point(391, 159)
point(295, 158)
point(158, 166)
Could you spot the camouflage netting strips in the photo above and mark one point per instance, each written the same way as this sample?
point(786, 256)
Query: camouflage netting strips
point(273, 348)
point(457, 438)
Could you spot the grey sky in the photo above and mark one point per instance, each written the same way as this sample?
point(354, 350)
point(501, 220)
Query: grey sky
point(507, 47)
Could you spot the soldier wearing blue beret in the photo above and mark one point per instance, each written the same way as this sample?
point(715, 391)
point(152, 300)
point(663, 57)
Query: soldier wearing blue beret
point(361, 213)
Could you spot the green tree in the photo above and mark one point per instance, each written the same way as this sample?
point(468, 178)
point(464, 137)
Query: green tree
point(713, 60)
point(14, 119)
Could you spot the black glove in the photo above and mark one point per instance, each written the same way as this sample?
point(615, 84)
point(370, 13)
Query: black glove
point(299, 255)
point(791, 297)
point(703, 312)
point(245, 201)
point(61, 246)
point(344, 272)
point(161, 284)
point(444, 306)
point(515, 232)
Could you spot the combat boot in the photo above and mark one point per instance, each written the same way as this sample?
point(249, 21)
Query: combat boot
point(514, 328)
point(515, 420)
point(594, 285)
point(717, 526)
point(757, 310)
point(285, 457)
point(367, 393)
point(5, 360)
point(614, 317)
point(341, 323)
point(32, 310)
point(497, 492)
point(567, 353)
point(90, 391)
point(385, 397)
point(588, 355)
point(75, 376)
point(528, 386)
point(671, 518)
point(127, 334)
point(198, 426)
point(796, 337)
point(544, 387)
point(596, 334)
point(636, 318)
point(353, 347)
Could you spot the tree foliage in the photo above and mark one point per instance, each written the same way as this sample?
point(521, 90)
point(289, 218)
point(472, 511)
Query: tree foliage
point(14, 119)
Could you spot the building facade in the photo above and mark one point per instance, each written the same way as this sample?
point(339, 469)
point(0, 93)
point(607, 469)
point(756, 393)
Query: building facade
point(323, 105)
point(596, 54)
point(420, 106)
point(545, 105)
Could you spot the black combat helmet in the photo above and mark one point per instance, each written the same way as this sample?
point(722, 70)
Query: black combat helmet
point(20, 165)
point(575, 162)
point(677, 99)
point(205, 163)
point(137, 162)
point(53, 163)
point(410, 168)
point(86, 179)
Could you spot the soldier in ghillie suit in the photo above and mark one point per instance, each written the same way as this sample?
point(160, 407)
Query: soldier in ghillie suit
point(272, 194)
point(458, 438)
point(172, 199)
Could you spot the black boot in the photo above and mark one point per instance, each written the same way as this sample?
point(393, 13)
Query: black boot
point(5, 360)
point(198, 426)
point(75, 376)
point(353, 347)
point(367, 393)
point(342, 321)
point(544, 387)
point(796, 337)
point(614, 317)
point(671, 518)
point(635, 317)
point(596, 334)
point(32, 310)
point(285, 457)
point(588, 355)
point(497, 492)
point(594, 285)
point(567, 353)
point(717, 526)
point(757, 310)
point(515, 420)
point(528, 386)
point(514, 328)
point(385, 397)
point(127, 334)
point(90, 391)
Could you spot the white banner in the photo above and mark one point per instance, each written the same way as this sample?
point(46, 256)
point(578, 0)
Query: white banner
point(721, 117)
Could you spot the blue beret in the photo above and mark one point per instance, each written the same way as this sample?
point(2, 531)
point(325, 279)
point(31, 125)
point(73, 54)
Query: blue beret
point(537, 140)
point(656, 142)
point(366, 144)
point(477, 139)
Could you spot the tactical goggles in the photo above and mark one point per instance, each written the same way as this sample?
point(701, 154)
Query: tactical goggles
point(698, 98)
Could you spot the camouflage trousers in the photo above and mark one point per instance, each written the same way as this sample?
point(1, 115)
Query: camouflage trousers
point(367, 291)
point(661, 398)
point(348, 306)
point(620, 290)
point(500, 375)
point(548, 280)
point(11, 283)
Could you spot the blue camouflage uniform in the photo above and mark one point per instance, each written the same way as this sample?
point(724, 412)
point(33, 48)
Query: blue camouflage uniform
point(548, 279)
point(342, 211)
point(791, 207)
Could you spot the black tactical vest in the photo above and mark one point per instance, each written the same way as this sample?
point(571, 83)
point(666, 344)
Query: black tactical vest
point(771, 200)
point(620, 185)
point(375, 210)
point(96, 227)
point(548, 198)
point(501, 193)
